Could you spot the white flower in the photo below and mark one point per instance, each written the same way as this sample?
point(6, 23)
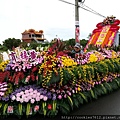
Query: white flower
point(13, 97)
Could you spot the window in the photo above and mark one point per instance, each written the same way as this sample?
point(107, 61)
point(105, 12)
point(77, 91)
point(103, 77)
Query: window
point(30, 35)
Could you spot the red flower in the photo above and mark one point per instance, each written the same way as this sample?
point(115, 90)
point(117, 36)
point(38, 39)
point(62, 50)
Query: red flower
point(34, 69)
point(3, 75)
point(32, 76)
point(49, 106)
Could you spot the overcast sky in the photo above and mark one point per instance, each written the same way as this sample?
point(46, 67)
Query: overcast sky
point(51, 16)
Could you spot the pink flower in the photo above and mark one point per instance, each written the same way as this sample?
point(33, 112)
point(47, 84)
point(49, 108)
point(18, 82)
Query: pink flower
point(45, 98)
point(2, 94)
point(21, 100)
point(65, 96)
point(30, 90)
point(21, 93)
point(69, 93)
point(38, 94)
point(37, 98)
point(59, 96)
point(41, 96)
point(26, 91)
point(31, 93)
point(27, 94)
point(26, 99)
point(18, 99)
point(29, 97)
point(32, 101)
point(34, 95)
point(35, 91)
point(18, 95)
point(99, 82)
point(23, 96)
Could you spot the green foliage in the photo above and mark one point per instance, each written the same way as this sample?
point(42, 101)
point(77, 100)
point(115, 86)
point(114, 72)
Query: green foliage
point(24, 45)
point(11, 42)
point(83, 42)
point(33, 45)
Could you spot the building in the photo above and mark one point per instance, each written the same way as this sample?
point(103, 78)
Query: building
point(32, 35)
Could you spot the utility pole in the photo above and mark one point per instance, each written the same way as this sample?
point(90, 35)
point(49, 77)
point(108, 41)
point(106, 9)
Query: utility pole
point(77, 33)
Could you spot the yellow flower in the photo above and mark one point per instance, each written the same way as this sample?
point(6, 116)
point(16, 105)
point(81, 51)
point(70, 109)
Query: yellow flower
point(3, 65)
point(114, 54)
point(78, 89)
point(66, 61)
point(93, 58)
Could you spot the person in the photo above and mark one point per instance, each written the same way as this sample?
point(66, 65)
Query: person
point(77, 51)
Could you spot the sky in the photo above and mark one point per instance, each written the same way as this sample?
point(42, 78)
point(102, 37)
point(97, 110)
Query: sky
point(54, 17)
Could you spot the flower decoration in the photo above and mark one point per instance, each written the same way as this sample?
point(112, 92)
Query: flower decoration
point(25, 61)
point(93, 58)
point(36, 108)
point(3, 65)
point(3, 89)
point(10, 109)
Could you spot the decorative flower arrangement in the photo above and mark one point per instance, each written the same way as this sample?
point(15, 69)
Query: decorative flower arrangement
point(49, 82)
point(109, 20)
point(67, 61)
point(25, 61)
point(95, 56)
point(30, 93)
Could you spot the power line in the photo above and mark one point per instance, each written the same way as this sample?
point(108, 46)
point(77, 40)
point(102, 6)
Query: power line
point(91, 10)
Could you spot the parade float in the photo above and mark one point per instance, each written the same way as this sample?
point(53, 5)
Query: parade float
point(51, 82)
point(106, 33)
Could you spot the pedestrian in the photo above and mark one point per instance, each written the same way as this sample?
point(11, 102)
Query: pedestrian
point(77, 51)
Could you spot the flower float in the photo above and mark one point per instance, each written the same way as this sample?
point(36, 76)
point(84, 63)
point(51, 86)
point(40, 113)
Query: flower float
point(51, 82)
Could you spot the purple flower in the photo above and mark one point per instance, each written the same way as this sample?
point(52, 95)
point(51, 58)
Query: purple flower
point(44, 92)
point(49, 95)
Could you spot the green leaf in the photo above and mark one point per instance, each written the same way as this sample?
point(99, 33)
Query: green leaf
point(5, 108)
point(20, 108)
point(104, 89)
point(71, 102)
point(54, 105)
point(28, 109)
point(0, 105)
point(44, 109)
point(92, 93)
point(64, 108)
point(109, 87)
point(83, 96)
point(79, 98)
point(117, 82)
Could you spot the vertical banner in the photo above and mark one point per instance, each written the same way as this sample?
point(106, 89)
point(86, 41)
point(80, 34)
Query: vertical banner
point(77, 33)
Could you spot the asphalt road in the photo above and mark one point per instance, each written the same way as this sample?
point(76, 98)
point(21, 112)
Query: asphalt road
point(105, 105)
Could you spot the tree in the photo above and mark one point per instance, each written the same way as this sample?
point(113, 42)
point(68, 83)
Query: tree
point(11, 42)
point(83, 42)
